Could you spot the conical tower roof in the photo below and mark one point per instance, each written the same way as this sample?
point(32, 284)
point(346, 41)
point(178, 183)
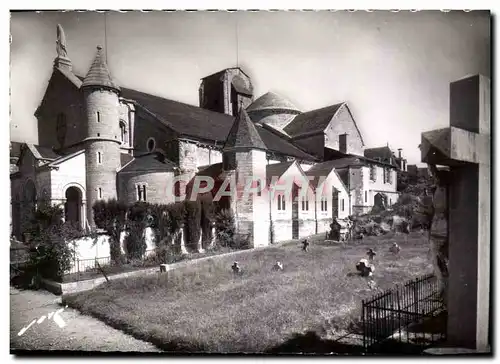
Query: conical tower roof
point(271, 101)
point(98, 75)
point(243, 134)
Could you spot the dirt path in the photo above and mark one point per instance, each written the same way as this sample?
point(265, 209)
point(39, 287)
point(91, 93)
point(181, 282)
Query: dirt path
point(80, 333)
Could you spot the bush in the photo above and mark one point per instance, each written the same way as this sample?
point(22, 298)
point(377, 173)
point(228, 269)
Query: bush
point(52, 254)
point(111, 216)
point(225, 228)
point(137, 221)
point(193, 224)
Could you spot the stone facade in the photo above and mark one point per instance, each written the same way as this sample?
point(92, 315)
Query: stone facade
point(156, 186)
point(343, 123)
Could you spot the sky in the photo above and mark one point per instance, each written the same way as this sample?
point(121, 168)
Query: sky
point(393, 69)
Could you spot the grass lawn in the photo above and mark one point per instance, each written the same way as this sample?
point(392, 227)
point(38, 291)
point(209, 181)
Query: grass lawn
point(204, 307)
point(149, 262)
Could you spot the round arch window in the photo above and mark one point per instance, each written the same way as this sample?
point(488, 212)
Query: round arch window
point(151, 144)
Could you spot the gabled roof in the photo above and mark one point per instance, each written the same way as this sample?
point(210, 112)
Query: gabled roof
point(276, 170)
point(202, 124)
point(150, 162)
point(98, 74)
point(312, 121)
point(278, 144)
point(187, 120)
point(321, 171)
point(38, 152)
point(271, 101)
point(243, 134)
point(64, 158)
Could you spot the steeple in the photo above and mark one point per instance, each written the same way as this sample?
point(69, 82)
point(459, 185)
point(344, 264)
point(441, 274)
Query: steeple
point(98, 75)
point(243, 134)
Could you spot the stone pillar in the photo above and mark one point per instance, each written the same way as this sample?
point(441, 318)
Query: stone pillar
point(465, 147)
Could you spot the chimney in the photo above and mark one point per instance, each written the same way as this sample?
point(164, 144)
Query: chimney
point(399, 152)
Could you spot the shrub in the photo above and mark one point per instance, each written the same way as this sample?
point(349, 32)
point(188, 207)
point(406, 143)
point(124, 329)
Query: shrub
point(225, 228)
point(110, 216)
point(193, 223)
point(137, 220)
point(52, 254)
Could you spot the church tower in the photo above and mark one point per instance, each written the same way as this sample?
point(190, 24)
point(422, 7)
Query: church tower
point(244, 156)
point(102, 143)
point(226, 91)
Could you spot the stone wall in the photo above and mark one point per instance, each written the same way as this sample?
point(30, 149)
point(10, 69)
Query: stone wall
point(156, 186)
point(307, 228)
point(344, 123)
point(145, 127)
point(61, 97)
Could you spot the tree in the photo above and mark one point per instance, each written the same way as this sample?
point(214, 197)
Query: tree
point(111, 216)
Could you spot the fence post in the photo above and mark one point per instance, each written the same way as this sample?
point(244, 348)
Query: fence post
point(415, 295)
point(363, 324)
point(78, 268)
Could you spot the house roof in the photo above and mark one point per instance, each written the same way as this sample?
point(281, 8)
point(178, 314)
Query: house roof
point(322, 170)
point(278, 144)
point(46, 152)
point(312, 121)
point(271, 101)
point(185, 119)
point(380, 152)
point(198, 123)
point(243, 134)
point(98, 74)
point(276, 170)
point(218, 73)
point(150, 162)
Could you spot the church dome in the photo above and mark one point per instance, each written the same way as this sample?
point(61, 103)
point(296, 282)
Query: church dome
point(272, 101)
point(273, 110)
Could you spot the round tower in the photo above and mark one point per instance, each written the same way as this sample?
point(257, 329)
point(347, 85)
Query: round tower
point(102, 142)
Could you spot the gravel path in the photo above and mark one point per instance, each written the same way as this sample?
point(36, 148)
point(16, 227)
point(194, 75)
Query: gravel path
point(80, 333)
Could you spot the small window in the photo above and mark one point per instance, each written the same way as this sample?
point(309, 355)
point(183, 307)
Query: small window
point(307, 205)
point(122, 132)
point(259, 188)
point(373, 173)
point(281, 203)
point(151, 144)
point(342, 204)
point(141, 192)
point(99, 157)
point(303, 204)
point(324, 204)
point(99, 193)
point(366, 196)
point(98, 117)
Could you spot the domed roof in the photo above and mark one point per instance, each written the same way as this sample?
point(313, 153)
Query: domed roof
point(271, 101)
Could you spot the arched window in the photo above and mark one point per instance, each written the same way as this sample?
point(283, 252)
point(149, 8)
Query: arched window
point(151, 145)
point(123, 132)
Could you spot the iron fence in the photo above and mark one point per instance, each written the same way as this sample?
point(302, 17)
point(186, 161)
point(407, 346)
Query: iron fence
point(411, 314)
point(88, 265)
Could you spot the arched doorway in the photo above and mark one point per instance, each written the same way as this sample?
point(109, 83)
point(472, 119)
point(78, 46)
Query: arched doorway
point(380, 200)
point(73, 207)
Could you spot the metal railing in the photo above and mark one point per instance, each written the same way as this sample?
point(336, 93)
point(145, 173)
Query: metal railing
point(406, 314)
point(88, 265)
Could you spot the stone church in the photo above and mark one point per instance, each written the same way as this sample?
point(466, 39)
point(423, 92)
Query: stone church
point(100, 140)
